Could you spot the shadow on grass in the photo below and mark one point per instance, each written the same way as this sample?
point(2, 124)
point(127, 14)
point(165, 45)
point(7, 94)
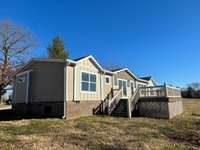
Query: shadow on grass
point(9, 114)
point(181, 135)
point(196, 114)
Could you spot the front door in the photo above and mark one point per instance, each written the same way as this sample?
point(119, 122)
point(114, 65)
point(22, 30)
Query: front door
point(132, 88)
point(123, 86)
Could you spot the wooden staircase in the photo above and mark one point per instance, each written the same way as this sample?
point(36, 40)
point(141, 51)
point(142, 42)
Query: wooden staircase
point(107, 106)
point(121, 109)
point(115, 105)
point(133, 110)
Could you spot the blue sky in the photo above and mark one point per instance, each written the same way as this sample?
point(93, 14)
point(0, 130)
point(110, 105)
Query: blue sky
point(151, 37)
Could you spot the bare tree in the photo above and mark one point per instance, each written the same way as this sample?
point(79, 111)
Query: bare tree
point(15, 42)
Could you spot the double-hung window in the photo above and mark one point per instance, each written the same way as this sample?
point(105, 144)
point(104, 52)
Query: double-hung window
point(88, 82)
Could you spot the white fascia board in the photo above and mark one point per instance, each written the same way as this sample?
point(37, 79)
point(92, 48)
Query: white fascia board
point(109, 72)
point(128, 70)
point(71, 61)
point(95, 61)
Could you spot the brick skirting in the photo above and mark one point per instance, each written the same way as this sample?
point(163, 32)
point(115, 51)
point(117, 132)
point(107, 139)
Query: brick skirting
point(80, 108)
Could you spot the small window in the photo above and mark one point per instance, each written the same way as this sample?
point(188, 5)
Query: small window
point(88, 82)
point(21, 79)
point(107, 80)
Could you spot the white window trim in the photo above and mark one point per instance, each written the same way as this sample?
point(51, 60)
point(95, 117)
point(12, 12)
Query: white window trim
point(109, 80)
point(92, 92)
point(121, 80)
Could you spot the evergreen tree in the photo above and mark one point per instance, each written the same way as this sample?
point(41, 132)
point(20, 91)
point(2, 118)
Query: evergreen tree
point(56, 50)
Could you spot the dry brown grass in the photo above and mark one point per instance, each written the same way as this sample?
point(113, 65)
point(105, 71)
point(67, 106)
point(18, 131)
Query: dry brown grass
point(101, 132)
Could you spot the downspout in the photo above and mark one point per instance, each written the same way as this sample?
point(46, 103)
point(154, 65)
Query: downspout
point(65, 91)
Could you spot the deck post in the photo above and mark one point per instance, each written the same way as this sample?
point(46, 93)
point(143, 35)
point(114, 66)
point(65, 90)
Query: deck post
point(166, 93)
point(129, 108)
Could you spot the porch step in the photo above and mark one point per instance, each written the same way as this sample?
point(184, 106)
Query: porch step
point(121, 109)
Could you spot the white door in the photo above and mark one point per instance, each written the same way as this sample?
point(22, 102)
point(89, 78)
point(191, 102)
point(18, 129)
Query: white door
point(123, 85)
point(132, 88)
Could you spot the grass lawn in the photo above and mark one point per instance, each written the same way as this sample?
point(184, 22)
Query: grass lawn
point(101, 132)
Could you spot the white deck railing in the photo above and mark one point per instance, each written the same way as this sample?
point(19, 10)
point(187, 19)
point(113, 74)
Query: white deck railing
point(160, 91)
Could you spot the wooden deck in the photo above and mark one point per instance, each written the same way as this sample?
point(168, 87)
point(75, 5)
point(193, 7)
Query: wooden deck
point(111, 103)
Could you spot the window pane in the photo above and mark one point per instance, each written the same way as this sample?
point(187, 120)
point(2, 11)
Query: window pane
point(107, 80)
point(92, 78)
point(85, 76)
point(93, 87)
point(85, 86)
point(120, 84)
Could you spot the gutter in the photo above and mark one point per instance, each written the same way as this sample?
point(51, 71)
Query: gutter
point(65, 92)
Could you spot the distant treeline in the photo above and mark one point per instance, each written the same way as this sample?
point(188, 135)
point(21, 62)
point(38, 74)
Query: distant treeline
point(192, 91)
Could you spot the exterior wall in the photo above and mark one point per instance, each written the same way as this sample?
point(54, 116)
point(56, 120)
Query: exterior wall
point(87, 66)
point(46, 90)
point(82, 108)
point(122, 75)
point(160, 108)
point(151, 83)
point(84, 102)
point(48, 82)
point(70, 83)
point(107, 87)
point(126, 76)
point(20, 88)
point(142, 83)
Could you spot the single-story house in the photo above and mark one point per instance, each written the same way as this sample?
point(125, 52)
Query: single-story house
point(70, 88)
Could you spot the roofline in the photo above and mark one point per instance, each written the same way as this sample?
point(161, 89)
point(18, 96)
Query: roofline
point(126, 69)
point(95, 61)
point(108, 71)
point(72, 62)
point(33, 60)
point(151, 78)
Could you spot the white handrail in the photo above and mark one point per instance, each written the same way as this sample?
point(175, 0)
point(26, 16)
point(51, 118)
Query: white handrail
point(110, 102)
point(160, 91)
